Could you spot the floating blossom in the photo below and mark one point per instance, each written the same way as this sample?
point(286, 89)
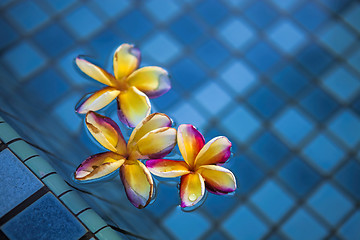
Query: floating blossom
point(200, 169)
point(131, 86)
point(152, 138)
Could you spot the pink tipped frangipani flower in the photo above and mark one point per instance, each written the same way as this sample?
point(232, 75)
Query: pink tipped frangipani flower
point(131, 86)
point(152, 138)
point(200, 169)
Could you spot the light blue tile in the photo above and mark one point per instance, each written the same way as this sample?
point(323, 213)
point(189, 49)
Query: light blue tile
point(113, 7)
point(236, 33)
point(354, 59)
point(350, 229)
point(17, 182)
point(337, 37)
point(331, 204)
point(285, 5)
point(352, 16)
point(163, 10)
point(243, 222)
point(185, 112)
point(65, 112)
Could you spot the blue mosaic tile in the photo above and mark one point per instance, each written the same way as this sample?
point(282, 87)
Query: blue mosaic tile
point(299, 176)
point(186, 29)
point(315, 59)
point(311, 15)
point(324, 153)
point(262, 56)
point(346, 126)
point(287, 36)
point(162, 204)
point(47, 218)
point(192, 226)
point(216, 210)
point(163, 11)
point(185, 112)
point(293, 126)
point(237, 33)
point(113, 7)
point(335, 5)
point(167, 100)
point(331, 204)
point(7, 33)
point(261, 14)
point(342, 84)
point(211, 11)
point(352, 16)
point(349, 177)
point(64, 110)
point(243, 222)
point(354, 59)
point(269, 149)
point(285, 5)
point(272, 200)
point(350, 230)
point(216, 235)
point(60, 5)
point(129, 24)
point(28, 15)
point(104, 45)
point(212, 53)
point(17, 182)
point(24, 59)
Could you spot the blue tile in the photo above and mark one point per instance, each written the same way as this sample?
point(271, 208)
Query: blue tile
point(302, 226)
point(261, 14)
point(290, 80)
point(216, 235)
point(113, 7)
point(53, 40)
point(269, 149)
point(287, 36)
point(266, 102)
point(293, 126)
point(163, 11)
point(135, 24)
point(239, 76)
point(105, 45)
point(185, 112)
point(216, 210)
point(273, 201)
point(24, 59)
point(352, 16)
point(65, 112)
point(28, 15)
point(342, 84)
point(346, 126)
point(249, 124)
point(300, 177)
point(315, 59)
point(212, 53)
point(354, 59)
point(213, 98)
point(331, 204)
point(212, 11)
point(164, 192)
point(243, 222)
point(311, 15)
point(335, 5)
point(319, 104)
point(17, 182)
point(47, 218)
point(7, 33)
point(285, 5)
point(324, 153)
point(337, 37)
point(167, 100)
point(350, 230)
point(262, 56)
point(60, 5)
point(83, 22)
point(186, 29)
point(237, 33)
point(349, 177)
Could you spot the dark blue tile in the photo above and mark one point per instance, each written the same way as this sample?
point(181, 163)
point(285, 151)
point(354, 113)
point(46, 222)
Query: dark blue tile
point(167, 196)
point(186, 29)
point(47, 218)
point(216, 235)
point(7, 33)
point(311, 15)
point(299, 176)
point(269, 149)
point(217, 210)
point(261, 14)
point(135, 24)
point(60, 5)
point(319, 104)
point(167, 100)
point(17, 182)
point(291, 80)
point(105, 44)
point(336, 5)
point(266, 102)
point(212, 53)
point(262, 56)
point(53, 40)
point(349, 177)
point(187, 73)
point(315, 59)
point(212, 11)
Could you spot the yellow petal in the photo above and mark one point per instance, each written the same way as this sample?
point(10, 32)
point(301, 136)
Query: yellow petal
point(98, 100)
point(99, 165)
point(153, 81)
point(192, 189)
point(218, 180)
point(138, 183)
point(190, 142)
point(167, 168)
point(133, 106)
point(126, 60)
point(95, 72)
point(106, 132)
point(157, 144)
point(216, 151)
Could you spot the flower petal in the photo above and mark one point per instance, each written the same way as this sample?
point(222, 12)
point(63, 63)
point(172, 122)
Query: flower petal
point(126, 60)
point(95, 72)
point(216, 151)
point(133, 106)
point(190, 142)
point(106, 132)
point(153, 81)
point(98, 100)
point(167, 168)
point(151, 122)
point(192, 189)
point(99, 165)
point(157, 143)
point(138, 183)
point(218, 180)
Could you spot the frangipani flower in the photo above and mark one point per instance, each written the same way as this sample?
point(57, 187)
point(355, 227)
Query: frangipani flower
point(131, 87)
point(153, 137)
point(200, 169)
